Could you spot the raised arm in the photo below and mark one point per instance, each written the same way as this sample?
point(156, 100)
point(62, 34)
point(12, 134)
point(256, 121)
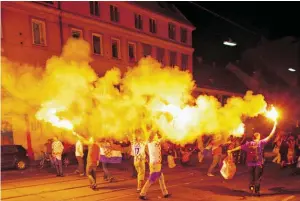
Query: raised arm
point(272, 132)
point(234, 149)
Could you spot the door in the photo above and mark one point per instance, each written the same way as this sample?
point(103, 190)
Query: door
point(8, 156)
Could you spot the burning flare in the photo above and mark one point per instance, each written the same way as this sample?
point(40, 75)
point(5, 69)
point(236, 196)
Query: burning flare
point(272, 114)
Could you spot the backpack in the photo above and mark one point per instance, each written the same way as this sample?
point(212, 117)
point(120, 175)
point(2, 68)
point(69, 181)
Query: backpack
point(253, 153)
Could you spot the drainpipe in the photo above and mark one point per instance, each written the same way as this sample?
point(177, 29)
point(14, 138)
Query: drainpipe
point(60, 26)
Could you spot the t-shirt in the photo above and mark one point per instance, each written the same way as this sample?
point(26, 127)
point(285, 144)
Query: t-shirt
point(260, 148)
point(93, 154)
point(138, 150)
point(57, 149)
point(79, 149)
point(154, 152)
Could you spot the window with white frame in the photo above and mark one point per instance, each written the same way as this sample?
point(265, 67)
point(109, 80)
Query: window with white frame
point(173, 58)
point(115, 48)
point(38, 32)
point(131, 52)
point(183, 35)
point(184, 61)
point(76, 33)
point(114, 13)
point(94, 8)
point(160, 55)
point(138, 22)
point(152, 25)
point(172, 31)
point(147, 50)
point(97, 44)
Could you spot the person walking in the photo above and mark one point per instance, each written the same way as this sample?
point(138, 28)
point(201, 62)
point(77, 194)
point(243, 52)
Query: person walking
point(139, 154)
point(92, 162)
point(216, 153)
point(79, 156)
point(255, 159)
point(155, 164)
point(57, 151)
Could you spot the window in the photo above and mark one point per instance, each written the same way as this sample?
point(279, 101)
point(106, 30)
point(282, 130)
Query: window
point(114, 13)
point(184, 61)
point(97, 44)
point(172, 31)
point(160, 54)
point(115, 48)
point(38, 32)
point(94, 8)
point(131, 52)
point(152, 25)
point(173, 58)
point(147, 50)
point(183, 35)
point(76, 33)
point(138, 22)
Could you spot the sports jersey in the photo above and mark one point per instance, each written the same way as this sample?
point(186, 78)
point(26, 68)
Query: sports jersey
point(138, 150)
point(154, 152)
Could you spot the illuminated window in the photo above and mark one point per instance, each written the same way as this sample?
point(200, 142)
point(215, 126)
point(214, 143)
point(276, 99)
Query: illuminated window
point(115, 48)
point(172, 31)
point(76, 33)
point(132, 52)
point(184, 61)
point(138, 22)
point(173, 58)
point(97, 44)
point(38, 32)
point(114, 13)
point(94, 8)
point(183, 35)
point(152, 25)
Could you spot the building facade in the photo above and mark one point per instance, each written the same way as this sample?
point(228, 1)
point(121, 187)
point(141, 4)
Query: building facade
point(119, 33)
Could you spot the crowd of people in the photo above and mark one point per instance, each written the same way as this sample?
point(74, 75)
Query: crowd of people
point(153, 151)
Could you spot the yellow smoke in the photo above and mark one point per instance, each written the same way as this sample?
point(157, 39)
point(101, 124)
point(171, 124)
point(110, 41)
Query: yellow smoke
point(68, 94)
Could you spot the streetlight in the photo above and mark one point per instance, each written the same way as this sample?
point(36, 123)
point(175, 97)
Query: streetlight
point(292, 69)
point(229, 43)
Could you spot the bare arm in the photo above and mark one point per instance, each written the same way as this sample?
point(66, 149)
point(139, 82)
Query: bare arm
point(234, 149)
point(272, 132)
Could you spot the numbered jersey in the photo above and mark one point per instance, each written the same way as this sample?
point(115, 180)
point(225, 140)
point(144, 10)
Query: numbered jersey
point(138, 150)
point(154, 152)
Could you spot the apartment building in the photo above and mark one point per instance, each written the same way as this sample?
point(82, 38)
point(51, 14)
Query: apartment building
point(119, 33)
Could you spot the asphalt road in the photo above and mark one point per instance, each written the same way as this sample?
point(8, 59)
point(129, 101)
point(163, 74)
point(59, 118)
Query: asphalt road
point(185, 183)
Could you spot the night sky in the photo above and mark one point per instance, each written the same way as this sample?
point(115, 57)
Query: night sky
point(272, 20)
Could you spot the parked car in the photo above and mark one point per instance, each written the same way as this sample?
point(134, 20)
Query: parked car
point(14, 156)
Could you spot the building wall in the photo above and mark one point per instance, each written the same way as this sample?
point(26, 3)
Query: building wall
point(17, 40)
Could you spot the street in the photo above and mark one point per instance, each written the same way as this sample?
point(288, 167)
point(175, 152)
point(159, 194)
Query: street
point(184, 183)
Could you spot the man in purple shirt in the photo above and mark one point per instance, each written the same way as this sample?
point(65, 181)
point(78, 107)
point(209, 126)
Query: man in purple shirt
point(255, 158)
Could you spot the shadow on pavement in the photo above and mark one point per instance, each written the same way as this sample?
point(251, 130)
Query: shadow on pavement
point(221, 190)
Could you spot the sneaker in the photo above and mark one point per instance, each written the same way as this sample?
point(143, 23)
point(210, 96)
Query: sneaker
point(142, 197)
point(138, 190)
point(81, 175)
point(167, 195)
point(62, 175)
point(210, 175)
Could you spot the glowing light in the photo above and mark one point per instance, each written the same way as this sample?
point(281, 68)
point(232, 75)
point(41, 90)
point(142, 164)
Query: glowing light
point(239, 131)
point(272, 114)
point(292, 69)
point(229, 43)
point(49, 115)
